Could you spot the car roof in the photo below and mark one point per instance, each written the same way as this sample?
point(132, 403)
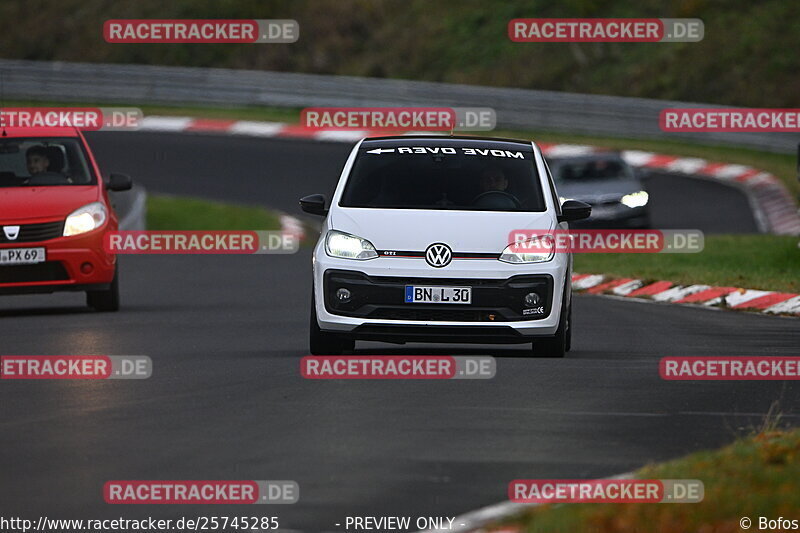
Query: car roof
point(454, 141)
point(444, 136)
point(12, 132)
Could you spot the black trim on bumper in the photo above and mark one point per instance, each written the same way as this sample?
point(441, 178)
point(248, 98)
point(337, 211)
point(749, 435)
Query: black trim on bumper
point(383, 298)
point(44, 271)
point(452, 334)
point(47, 289)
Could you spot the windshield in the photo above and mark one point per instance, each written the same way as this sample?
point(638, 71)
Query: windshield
point(591, 170)
point(41, 161)
point(444, 178)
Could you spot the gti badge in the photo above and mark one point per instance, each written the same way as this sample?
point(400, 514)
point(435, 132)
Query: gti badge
point(438, 255)
point(11, 232)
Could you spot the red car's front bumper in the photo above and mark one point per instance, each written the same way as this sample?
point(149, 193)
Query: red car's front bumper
point(75, 263)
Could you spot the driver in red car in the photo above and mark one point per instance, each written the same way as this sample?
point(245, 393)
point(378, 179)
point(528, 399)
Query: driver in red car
point(38, 160)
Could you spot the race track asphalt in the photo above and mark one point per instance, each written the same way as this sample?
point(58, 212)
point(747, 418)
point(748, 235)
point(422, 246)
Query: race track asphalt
point(226, 401)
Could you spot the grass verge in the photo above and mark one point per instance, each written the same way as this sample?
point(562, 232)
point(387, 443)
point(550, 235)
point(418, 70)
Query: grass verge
point(179, 213)
point(753, 477)
point(769, 262)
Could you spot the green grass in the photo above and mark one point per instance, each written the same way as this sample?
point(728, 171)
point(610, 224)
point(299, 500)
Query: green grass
point(769, 262)
point(754, 476)
point(178, 213)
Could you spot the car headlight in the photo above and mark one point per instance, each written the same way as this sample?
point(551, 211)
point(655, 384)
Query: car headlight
point(636, 199)
point(541, 249)
point(346, 246)
point(85, 219)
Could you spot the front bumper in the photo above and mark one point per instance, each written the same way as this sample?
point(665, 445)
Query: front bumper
point(382, 297)
point(377, 310)
point(62, 269)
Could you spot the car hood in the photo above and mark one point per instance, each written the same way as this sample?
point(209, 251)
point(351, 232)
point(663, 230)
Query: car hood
point(415, 229)
point(21, 204)
point(598, 190)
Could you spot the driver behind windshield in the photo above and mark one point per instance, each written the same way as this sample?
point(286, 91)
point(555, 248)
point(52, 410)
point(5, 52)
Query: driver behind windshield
point(38, 160)
point(494, 194)
point(493, 179)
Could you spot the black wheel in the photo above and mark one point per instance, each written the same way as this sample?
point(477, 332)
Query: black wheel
point(324, 343)
point(569, 328)
point(105, 300)
point(558, 344)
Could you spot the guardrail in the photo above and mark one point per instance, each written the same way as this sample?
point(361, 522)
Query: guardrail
point(516, 108)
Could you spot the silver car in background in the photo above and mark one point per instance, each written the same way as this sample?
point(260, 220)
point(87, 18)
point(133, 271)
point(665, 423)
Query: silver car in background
point(607, 183)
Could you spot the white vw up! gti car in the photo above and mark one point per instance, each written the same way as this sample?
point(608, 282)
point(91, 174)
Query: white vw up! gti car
point(416, 247)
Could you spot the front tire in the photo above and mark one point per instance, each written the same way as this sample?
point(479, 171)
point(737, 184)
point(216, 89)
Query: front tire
point(105, 300)
point(569, 328)
point(560, 343)
point(324, 343)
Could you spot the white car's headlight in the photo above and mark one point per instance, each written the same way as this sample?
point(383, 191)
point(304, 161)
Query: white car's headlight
point(85, 219)
point(534, 250)
point(346, 246)
point(636, 199)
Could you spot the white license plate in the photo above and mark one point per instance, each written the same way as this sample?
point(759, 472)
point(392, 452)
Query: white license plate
point(416, 294)
point(22, 256)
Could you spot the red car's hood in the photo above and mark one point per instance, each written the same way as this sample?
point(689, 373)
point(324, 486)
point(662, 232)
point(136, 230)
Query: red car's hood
point(29, 204)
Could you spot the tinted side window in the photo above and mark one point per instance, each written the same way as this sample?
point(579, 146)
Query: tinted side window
point(553, 191)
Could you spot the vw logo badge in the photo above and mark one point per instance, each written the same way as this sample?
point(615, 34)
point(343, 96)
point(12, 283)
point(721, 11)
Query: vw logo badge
point(438, 255)
point(12, 232)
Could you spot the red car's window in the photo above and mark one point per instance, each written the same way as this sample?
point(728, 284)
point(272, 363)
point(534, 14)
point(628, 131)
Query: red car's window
point(40, 161)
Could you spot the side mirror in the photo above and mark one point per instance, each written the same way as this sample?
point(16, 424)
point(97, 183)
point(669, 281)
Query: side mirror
point(574, 210)
point(119, 182)
point(314, 204)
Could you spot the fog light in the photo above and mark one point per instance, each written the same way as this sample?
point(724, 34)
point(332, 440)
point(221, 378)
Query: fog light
point(87, 268)
point(343, 295)
point(532, 299)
